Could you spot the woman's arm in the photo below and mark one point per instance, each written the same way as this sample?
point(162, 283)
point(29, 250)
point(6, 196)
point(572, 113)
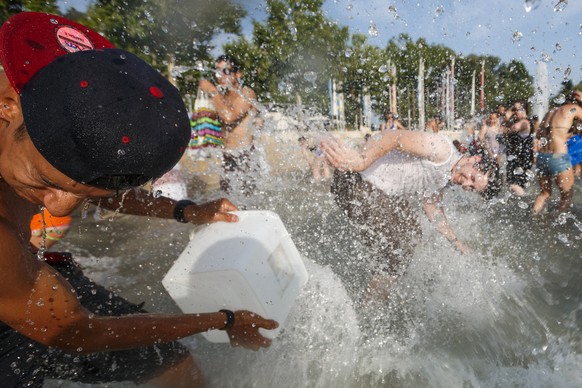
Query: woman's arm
point(421, 144)
point(435, 213)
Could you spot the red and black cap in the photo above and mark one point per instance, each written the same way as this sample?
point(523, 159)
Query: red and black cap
point(98, 114)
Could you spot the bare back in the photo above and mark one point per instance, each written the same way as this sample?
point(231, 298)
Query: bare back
point(555, 128)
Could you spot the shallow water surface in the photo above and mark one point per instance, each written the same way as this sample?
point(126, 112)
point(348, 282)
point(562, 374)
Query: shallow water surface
point(507, 314)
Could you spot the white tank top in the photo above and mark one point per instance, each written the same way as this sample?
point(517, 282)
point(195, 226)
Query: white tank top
point(397, 173)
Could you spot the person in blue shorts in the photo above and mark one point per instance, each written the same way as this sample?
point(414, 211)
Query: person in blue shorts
point(553, 161)
point(575, 151)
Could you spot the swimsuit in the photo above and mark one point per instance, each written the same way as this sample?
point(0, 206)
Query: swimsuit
point(550, 164)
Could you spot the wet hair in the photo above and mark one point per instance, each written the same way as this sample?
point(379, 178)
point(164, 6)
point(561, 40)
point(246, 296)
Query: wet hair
point(232, 62)
point(491, 169)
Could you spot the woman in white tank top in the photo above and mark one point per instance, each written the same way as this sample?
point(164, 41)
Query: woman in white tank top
point(374, 184)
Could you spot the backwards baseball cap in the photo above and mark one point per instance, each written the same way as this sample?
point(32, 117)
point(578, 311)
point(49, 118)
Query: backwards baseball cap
point(98, 114)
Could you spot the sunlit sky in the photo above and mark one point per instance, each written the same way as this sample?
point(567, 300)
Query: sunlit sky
point(528, 30)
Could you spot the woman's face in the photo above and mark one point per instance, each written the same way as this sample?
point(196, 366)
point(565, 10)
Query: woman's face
point(224, 73)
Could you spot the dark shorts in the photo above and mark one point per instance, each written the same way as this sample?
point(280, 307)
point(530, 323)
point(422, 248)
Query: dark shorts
point(24, 362)
point(386, 225)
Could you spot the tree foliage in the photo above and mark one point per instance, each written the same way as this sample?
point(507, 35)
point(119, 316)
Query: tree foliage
point(12, 7)
point(294, 53)
point(166, 33)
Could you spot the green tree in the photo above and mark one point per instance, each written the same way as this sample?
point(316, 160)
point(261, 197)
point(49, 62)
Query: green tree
point(294, 53)
point(513, 82)
point(364, 71)
point(166, 33)
point(12, 7)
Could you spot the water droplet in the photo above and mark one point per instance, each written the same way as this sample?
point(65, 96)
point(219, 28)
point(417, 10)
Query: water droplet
point(373, 30)
point(517, 35)
point(531, 5)
point(349, 7)
point(439, 11)
point(310, 76)
point(122, 56)
point(573, 110)
point(349, 52)
point(54, 21)
point(383, 69)
point(560, 99)
point(546, 58)
point(120, 152)
point(567, 72)
point(558, 47)
point(522, 205)
point(157, 193)
point(562, 4)
point(40, 302)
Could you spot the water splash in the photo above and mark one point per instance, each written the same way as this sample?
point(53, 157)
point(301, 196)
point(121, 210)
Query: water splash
point(373, 30)
point(531, 5)
point(516, 37)
point(42, 248)
point(561, 5)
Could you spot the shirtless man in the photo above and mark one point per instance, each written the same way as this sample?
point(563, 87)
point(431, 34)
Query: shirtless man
point(553, 158)
point(237, 108)
point(83, 121)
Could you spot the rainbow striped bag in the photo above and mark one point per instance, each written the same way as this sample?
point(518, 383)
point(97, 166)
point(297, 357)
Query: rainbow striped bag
point(206, 126)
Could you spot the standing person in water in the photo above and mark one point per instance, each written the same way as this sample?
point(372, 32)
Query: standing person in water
point(519, 148)
point(553, 160)
point(373, 186)
point(238, 109)
point(84, 121)
point(391, 123)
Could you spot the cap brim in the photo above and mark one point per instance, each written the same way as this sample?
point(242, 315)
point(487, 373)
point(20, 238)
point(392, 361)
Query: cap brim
point(31, 40)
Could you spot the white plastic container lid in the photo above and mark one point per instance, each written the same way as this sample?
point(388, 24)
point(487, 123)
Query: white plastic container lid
point(250, 265)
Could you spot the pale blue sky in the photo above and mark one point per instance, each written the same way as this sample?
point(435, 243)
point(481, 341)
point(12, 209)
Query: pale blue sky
point(503, 28)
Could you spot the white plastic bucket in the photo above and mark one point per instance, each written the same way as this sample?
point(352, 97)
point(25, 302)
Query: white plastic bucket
point(250, 265)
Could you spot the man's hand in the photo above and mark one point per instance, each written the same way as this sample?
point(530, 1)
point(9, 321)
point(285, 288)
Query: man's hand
point(214, 211)
point(245, 331)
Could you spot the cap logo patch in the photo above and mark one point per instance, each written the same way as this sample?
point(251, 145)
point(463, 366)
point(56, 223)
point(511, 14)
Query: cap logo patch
point(73, 40)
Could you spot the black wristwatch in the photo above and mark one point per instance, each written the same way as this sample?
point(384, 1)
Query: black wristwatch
point(229, 319)
point(179, 210)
